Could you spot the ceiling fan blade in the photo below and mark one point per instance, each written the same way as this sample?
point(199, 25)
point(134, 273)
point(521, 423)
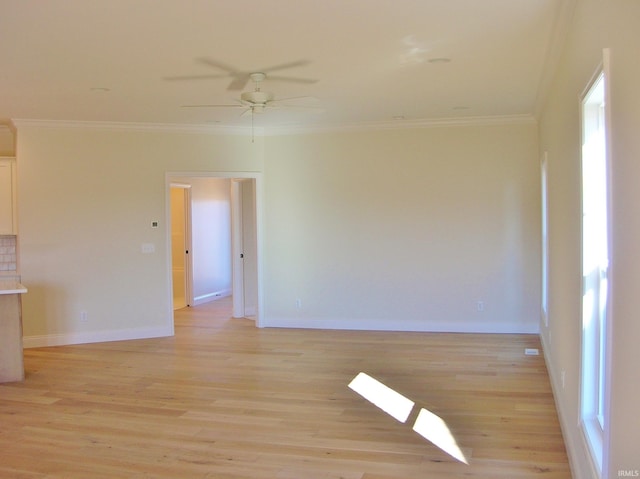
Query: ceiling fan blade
point(309, 109)
point(212, 106)
point(291, 79)
point(216, 64)
point(239, 81)
point(298, 98)
point(299, 107)
point(297, 63)
point(193, 77)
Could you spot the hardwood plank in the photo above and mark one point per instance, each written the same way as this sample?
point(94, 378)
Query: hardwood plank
point(223, 399)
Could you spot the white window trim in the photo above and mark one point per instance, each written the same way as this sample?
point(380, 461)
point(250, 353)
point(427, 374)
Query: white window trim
point(595, 430)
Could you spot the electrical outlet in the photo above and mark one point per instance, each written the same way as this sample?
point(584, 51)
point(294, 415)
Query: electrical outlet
point(84, 317)
point(480, 306)
point(298, 303)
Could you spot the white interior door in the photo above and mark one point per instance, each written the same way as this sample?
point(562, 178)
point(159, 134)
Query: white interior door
point(244, 248)
point(180, 245)
point(237, 251)
point(250, 248)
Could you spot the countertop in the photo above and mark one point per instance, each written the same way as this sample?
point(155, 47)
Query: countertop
point(8, 286)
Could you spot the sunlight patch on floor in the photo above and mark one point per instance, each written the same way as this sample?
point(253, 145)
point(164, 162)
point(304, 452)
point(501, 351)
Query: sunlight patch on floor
point(390, 401)
point(428, 425)
point(434, 429)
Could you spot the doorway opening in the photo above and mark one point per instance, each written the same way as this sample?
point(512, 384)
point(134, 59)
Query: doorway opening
point(220, 247)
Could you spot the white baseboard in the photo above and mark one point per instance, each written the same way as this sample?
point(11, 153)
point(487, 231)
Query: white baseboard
point(400, 325)
point(206, 298)
point(85, 337)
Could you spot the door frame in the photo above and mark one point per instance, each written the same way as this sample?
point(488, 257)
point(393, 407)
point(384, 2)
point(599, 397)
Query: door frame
point(175, 176)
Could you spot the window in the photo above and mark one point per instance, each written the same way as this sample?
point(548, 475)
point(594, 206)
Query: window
point(595, 266)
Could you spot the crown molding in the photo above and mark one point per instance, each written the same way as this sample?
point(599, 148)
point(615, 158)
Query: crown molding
point(403, 124)
point(277, 130)
point(131, 126)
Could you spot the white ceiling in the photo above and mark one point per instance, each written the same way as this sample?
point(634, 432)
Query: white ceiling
point(108, 60)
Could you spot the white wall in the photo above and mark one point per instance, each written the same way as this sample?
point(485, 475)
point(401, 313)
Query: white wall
point(87, 197)
point(596, 25)
point(404, 229)
point(386, 229)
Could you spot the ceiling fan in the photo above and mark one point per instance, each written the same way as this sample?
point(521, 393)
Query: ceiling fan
point(256, 101)
point(239, 78)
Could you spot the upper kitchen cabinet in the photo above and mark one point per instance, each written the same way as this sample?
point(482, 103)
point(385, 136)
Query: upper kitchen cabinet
point(8, 217)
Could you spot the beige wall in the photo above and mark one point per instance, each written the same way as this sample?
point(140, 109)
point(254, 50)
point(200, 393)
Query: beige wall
point(87, 197)
point(387, 229)
point(596, 25)
point(404, 229)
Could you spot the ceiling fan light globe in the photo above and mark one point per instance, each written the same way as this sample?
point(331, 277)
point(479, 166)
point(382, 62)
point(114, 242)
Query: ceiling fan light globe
point(257, 97)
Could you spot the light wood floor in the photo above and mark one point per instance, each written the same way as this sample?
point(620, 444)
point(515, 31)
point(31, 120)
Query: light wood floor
point(223, 399)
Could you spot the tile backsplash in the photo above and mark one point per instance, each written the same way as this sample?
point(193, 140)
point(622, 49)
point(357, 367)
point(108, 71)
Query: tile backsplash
point(8, 256)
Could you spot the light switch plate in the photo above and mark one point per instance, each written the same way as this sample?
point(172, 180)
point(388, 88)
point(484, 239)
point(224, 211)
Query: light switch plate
point(148, 248)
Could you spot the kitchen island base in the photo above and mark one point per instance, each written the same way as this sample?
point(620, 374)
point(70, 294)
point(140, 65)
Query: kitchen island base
point(11, 356)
